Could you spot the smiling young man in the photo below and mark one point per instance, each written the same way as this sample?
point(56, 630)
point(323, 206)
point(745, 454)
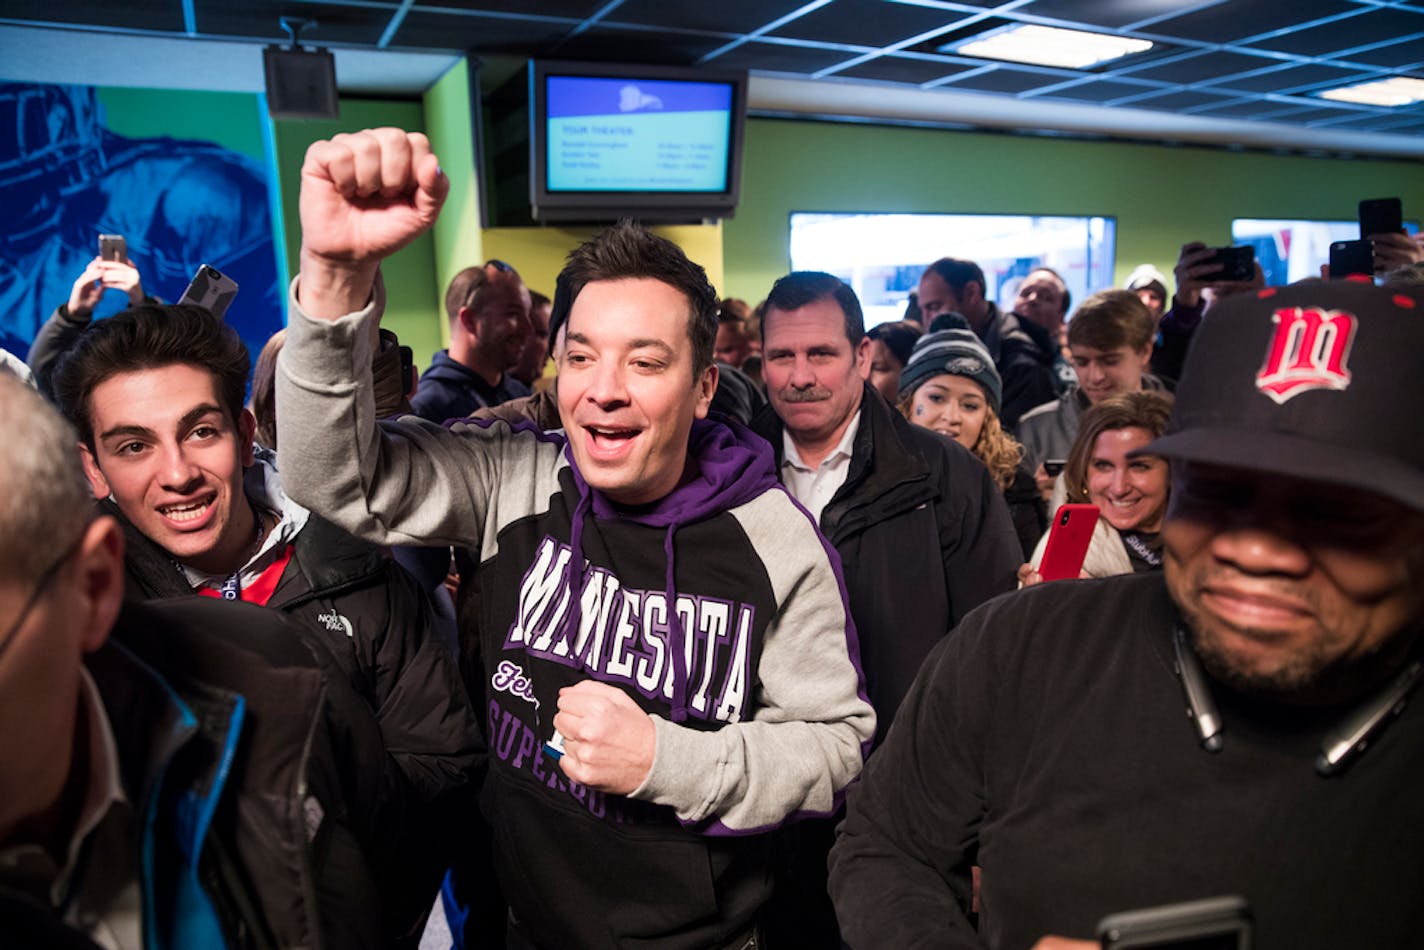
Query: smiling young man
point(1046, 744)
point(156, 395)
point(1110, 342)
point(669, 666)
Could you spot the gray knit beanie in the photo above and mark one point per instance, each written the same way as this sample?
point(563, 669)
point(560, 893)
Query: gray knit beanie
point(956, 353)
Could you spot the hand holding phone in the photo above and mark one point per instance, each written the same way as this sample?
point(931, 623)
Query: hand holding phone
point(1231, 264)
point(1068, 541)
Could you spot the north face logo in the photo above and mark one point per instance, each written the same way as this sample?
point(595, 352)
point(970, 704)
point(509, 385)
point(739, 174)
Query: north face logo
point(1309, 350)
point(336, 623)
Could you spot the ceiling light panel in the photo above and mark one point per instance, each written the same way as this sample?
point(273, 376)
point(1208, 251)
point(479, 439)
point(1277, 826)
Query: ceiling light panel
point(1399, 91)
point(1050, 46)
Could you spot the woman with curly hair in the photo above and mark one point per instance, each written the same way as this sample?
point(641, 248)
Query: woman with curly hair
point(950, 385)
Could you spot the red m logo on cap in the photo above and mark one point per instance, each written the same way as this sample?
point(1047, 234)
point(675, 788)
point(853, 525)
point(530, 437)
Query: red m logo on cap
point(1307, 351)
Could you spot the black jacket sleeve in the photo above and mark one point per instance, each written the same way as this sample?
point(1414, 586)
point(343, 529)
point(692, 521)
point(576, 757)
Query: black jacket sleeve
point(55, 338)
point(426, 718)
point(900, 872)
point(978, 545)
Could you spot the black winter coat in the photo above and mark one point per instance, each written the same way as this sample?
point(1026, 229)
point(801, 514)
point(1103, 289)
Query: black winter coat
point(924, 537)
point(371, 617)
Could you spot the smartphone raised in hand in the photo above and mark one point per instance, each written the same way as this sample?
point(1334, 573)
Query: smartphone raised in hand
point(113, 247)
point(1068, 540)
point(210, 289)
point(1234, 263)
point(1381, 216)
point(1351, 259)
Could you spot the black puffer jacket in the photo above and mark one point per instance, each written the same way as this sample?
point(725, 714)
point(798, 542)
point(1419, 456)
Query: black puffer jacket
point(924, 537)
point(373, 619)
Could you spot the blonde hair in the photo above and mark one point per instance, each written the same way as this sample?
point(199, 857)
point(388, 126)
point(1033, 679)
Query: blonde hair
point(998, 450)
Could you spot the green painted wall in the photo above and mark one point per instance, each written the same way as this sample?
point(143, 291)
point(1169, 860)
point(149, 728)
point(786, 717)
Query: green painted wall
point(1161, 197)
point(457, 235)
point(230, 119)
point(413, 292)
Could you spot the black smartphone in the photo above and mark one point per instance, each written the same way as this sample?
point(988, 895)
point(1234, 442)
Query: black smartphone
point(1216, 923)
point(1054, 467)
point(1235, 263)
point(1381, 216)
point(113, 247)
point(1352, 259)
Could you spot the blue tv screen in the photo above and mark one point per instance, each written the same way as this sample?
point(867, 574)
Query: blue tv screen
point(618, 135)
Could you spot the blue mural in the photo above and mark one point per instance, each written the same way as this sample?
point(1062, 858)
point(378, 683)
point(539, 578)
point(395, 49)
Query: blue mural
point(65, 178)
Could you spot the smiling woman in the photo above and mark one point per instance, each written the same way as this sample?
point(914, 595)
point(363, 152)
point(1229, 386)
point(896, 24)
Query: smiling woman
point(1130, 490)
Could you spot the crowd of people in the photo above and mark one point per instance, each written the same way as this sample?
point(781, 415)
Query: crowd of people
point(649, 618)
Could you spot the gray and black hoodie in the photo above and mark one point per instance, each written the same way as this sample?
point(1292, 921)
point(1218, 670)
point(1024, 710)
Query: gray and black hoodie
point(719, 610)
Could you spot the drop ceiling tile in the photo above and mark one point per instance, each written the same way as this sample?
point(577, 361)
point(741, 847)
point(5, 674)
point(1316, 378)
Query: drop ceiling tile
point(570, 9)
point(1292, 77)
point(607, 44)
point(724, 16)
point(480, 34)
point(1238, 19)
point(1247, 109)
point(1100, 91)
point(867, 22)
point(168, 16)
point(1395, 55)
point(1177, 101)
point(1202, 67)
point(902, 69)
point(333, 24)
point(1362, 30)
point(1113, 14)
point(1003, 80)
point(779, 57)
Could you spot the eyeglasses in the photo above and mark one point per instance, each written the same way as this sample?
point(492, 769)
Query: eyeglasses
point(479, 281)
point(46, 578)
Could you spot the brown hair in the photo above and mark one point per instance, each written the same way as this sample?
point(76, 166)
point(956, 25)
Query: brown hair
point(151, 336)
point(629, 250)
point(264, 390)
point(1147, 410)
point(1110, 319)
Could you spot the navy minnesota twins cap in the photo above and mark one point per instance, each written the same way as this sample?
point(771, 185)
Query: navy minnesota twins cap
point(1322, 380)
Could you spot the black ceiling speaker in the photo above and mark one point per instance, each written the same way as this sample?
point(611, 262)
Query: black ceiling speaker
point(301, 83)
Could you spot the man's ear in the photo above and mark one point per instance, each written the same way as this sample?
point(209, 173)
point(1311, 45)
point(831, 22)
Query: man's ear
point(863, 357)
point(246, 432)
point(465, 317)
point(706, 388)
point(973, 292)
point(98, 484)
point(97, 586)
point(1145, 355)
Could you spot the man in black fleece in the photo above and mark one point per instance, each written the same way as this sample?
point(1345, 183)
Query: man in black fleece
point(1045, 741)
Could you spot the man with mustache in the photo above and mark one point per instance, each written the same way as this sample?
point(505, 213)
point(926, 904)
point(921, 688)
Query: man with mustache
point(1045, 742)
point(923, 534)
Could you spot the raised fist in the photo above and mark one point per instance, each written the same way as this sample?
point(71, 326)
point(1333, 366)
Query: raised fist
point(364, 196)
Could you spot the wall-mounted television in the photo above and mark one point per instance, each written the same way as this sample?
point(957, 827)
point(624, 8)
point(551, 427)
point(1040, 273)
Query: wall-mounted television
point(649, 142)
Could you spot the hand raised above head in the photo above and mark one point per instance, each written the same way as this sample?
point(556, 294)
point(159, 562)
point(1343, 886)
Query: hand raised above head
point(364, 196)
